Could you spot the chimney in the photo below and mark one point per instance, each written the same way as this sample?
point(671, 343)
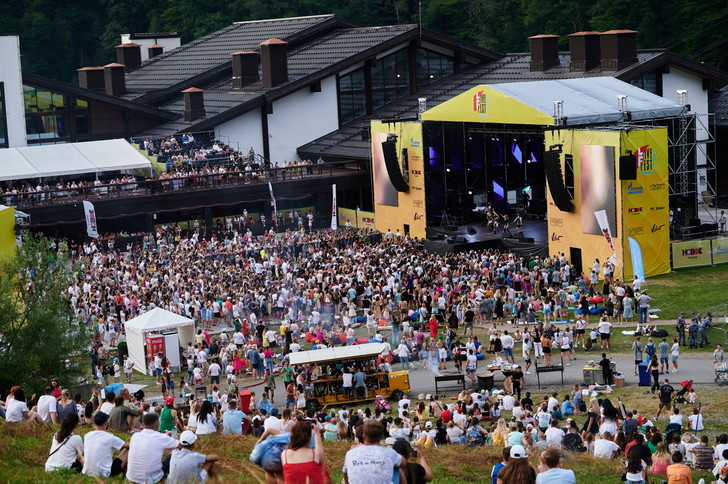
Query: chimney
point(114, 79)
point(619, 49)
point(194, 104)
point(245, 68)
point(130, 55)
point(585, 50)
point(544, 52)
point(155, 50)
point(91, 78)
point(274, 62)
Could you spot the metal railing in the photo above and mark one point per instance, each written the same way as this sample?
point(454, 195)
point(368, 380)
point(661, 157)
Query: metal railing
point(174, 184)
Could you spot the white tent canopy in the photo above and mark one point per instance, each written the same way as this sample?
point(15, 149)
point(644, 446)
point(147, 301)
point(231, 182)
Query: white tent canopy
point(156, 320)
point(69, 159)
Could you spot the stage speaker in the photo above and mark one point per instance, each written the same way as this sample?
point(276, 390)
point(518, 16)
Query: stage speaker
point(628, 167)
point(389, 149)
point(555, 178)
point(471, 230)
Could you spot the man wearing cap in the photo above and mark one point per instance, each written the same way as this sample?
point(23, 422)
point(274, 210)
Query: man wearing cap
point(693, 331)
point(549, 470)
point(145, 451)
point(186, 466)
point(99, 446)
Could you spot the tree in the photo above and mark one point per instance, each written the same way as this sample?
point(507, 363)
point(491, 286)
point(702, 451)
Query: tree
point(39, 338)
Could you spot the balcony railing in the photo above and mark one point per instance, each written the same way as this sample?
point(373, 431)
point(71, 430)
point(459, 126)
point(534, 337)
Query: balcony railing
point(174, 184)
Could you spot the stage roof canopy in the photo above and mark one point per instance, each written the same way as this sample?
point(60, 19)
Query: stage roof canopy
point(69, 159)
point(584, 102)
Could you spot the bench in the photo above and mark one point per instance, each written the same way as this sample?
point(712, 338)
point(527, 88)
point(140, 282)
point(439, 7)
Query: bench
point(548, 369)
point(460, 379)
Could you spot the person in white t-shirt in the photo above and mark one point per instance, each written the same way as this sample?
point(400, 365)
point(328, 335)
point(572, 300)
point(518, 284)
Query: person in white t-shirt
point(554, 434)
point(371, 462)
point(605, 447)
point(67, 448)
point(508, 402)
point(605, 332)
point(145, 451)
point(99, 446)
point(47, 406)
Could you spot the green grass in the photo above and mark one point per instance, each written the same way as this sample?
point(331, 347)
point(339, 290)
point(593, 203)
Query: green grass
point(688, 290)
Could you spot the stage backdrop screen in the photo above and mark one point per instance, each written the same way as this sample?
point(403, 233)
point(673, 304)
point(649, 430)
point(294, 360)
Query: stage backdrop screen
point(597, 186)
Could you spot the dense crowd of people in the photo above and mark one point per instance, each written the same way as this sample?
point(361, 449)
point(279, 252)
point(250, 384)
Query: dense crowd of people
point(257, 299)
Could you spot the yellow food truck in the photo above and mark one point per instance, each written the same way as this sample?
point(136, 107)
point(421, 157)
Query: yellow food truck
point(327, 387)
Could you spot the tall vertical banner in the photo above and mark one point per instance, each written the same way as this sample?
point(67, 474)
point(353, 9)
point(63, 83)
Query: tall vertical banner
point(603, 221)
point(645, 203)
point(92, 228)
point(334, 211)
point(272, 199)
point(638, 265)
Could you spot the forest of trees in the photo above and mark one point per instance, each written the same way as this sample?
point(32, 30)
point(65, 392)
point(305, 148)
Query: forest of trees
point(57, 37)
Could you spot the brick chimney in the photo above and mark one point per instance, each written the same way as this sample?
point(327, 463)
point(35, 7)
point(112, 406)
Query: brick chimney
point(155, 50)
point(114, 80)
point(245, 68)
point(585, 50)
point(274, 62)
point(544, 52)
point(91, 78)
point(194, 103)
point(619, 49)
point(129, 55)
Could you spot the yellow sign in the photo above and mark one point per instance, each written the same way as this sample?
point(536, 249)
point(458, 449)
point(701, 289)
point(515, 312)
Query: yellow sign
point(485, 104)
point(645, 215)
point(358, 219)
point(694, 253)
point(7, 231)
point(720, 250)
point(394, 210)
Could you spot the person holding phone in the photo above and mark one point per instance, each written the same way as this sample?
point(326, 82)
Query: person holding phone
point(417, 472)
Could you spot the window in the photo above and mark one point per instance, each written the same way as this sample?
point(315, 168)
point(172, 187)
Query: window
point(51, 116)
point(3, 119)
point(352, 96)
point(432, 66)
point(648, 82)
point(390, 78)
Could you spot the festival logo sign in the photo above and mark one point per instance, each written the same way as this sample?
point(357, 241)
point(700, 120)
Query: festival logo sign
point(480, 102)
point(646, 160)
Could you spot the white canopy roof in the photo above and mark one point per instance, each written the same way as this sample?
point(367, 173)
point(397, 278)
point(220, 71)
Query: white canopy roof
point(69, 159)
point(156, 320)
point(590, 100)
point(338, 353)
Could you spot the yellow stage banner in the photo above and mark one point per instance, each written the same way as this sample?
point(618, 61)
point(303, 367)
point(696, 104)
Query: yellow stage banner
point(485, 104)
point(719, 250)
point(7, 232)
point(693, 253)
point(394, 210)
point(645, 214)
point(357, 219)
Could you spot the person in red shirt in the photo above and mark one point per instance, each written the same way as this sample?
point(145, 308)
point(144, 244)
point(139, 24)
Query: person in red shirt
point(446, 415)
point(433, 327)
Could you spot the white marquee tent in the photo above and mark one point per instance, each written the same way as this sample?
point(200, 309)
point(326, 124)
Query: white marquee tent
point(156, 320)
point(69, 159)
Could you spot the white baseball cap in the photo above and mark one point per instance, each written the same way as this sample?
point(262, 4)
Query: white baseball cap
point(517, 452)
point(188, 438)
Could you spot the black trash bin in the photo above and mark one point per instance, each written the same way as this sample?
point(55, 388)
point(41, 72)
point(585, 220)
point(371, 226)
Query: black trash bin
point(486, 381)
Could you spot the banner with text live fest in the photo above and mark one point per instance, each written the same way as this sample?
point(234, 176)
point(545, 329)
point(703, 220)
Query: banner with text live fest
point(645, 212)
point(399, 210)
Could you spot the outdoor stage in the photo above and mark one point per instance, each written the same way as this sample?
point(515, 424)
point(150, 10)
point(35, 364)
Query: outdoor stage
point(532, 238)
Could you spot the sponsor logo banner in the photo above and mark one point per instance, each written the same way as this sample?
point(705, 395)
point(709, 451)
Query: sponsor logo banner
point(720, 250)
point(691, 254)
point(634, 189)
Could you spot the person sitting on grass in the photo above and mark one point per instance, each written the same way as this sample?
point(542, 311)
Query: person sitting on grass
point(187, 466)
point(67, 448)
point(99, 448)
point(679, 473)
point(550, 471)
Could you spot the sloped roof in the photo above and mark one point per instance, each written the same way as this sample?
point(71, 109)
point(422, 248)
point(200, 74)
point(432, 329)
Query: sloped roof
point(336, 353)
point(347, 141)
point(213, 50)
point(156, 320)
point(314, 58)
